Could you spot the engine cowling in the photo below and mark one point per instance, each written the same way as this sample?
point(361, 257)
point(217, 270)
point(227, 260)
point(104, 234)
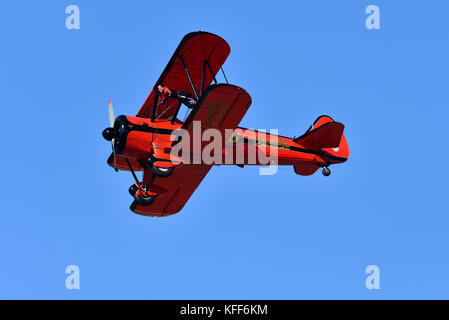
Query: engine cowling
point(133, 137)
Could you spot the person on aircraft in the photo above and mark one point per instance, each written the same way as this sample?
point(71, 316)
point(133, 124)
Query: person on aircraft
point(184, 97)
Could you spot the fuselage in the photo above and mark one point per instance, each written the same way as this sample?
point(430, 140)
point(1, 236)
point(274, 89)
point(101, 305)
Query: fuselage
point(139, 138)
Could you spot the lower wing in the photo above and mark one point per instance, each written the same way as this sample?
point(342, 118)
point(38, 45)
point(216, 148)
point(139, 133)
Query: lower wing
point(173, 192)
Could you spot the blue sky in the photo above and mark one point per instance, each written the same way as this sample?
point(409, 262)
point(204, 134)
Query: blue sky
point(241, 236)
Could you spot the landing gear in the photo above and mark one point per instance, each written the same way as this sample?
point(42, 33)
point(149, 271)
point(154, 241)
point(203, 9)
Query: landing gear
point(142, 194)
point(326, 171)
point(140, 191)
point(162, 172)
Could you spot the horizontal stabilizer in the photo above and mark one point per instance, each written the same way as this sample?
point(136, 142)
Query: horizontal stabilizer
point(306, 169)
point(326, 136)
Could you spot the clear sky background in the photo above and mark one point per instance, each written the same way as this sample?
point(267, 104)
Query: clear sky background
point(241, 235)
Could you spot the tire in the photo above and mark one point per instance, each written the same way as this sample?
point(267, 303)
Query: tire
point(144, 201)
point(163, 172)
point(326, 172)
point(133, 189)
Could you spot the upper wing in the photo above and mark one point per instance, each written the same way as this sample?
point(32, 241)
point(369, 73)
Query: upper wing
point(203, 54)
point(173, 192)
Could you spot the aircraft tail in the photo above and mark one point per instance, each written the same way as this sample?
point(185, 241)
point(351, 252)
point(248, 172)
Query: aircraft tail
point(327, 136)
point(324, 133)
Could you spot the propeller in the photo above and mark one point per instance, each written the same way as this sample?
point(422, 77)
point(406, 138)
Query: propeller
point(111, 114)
point(109, 133)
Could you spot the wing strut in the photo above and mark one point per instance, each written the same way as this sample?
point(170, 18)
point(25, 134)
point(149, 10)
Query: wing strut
point(211, 72)
point(131, 169)
point(224, 75)
point(188, 76)
point(156, 97)
point(202, 78)
point(176, 113)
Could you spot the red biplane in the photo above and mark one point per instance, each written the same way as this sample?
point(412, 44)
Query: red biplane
point(145, 142)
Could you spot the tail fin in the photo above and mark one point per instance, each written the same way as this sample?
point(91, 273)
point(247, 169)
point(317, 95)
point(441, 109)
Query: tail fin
point(320, 121)
point(327, 135)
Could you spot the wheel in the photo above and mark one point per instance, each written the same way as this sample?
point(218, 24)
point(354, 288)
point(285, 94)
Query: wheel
point(133, 189)
point(326, 172)
point(162, 172)
point(144, 200)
